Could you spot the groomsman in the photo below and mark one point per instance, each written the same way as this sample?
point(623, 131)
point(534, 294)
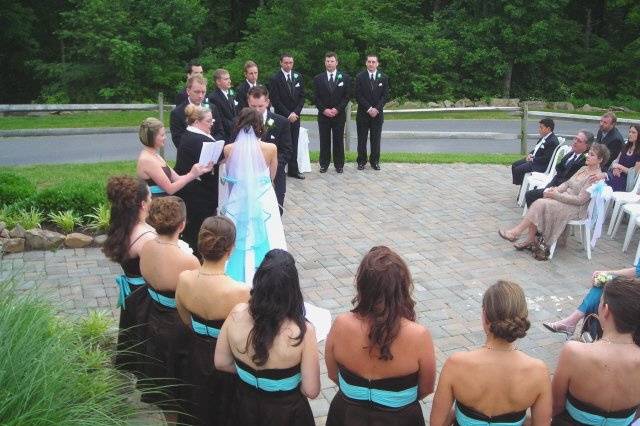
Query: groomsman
point(278, 132)
point(287, 97)
point(372, 92)
point(193, 68)
point(251, 80)
point(331, 94)
point(223, 97)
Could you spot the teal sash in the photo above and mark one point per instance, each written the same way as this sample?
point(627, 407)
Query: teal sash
point(464, 420)
point(165, 301)
point(587, 418)
point(156, 190)
point(124, 284)
point(269, 385)
point(392, 399)
point(203, 329)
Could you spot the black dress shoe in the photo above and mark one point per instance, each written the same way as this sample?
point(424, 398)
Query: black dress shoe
point(339, 169)
point(323, 169)
point(375, 166)
point(360, 166)
point(297, 176)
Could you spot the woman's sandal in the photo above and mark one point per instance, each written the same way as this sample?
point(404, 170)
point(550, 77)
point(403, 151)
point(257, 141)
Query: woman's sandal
point(525, 245)
point(503, 235)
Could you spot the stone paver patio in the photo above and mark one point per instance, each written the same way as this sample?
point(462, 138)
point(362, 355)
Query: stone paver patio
point(441, 218)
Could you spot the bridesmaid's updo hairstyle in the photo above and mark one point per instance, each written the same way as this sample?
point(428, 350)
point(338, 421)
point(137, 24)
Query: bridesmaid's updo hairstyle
point(247, 118)
point(622, 295)
point(166, 214)
point(195, 113)
point(505, 309)
point(149, 130)
point(126, 195)
point(383, 296)
point(216, 238)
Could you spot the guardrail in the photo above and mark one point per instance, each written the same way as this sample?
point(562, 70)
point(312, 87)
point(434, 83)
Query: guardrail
point(160, 107)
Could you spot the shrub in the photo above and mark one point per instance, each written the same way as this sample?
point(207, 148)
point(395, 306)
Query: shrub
point(77, 196)
point(51, 374)
point(66, 220)
point(14, 188)
point(100, 218)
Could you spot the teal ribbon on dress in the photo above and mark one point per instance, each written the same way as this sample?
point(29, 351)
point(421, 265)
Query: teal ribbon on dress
point(464, 420)
point(392, 399)
point(124, 284)
point(156, 190)
point(165, 301)
point(269, 385)
point(591, 419)
point(204, 330)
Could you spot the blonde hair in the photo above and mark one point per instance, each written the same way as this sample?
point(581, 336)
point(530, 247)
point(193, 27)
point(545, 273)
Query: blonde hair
point(196, 79)
point(195, 113)
point(149, 130)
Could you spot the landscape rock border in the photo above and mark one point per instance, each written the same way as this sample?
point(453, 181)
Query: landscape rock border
point(18, 239)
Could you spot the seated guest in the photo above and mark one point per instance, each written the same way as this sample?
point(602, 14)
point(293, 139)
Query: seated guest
point(599, 383)
point(193, 68)
point(162, 180)
point(609, 135)
point(161, 262)
point(201, 195)
point(538, 159)
point(627, 161)
point(567, 166)
point(497, 383)
point(591, 301)
point(382, 360)
point(549, 215)
point(272, 348)
point(127, 234)
point(204, 298)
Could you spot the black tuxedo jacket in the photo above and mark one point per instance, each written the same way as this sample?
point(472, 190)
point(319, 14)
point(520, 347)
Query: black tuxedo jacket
point(226, 109)
point(565, 171)
point(614, 142)
point(323, 96)
point(544, 153)
point(368, 96)
point(284, 101)
point(181, 97)
point(178, 123)
point(241, 95)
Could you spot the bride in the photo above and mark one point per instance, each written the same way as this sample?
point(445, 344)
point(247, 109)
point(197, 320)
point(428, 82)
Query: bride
point(248, 198)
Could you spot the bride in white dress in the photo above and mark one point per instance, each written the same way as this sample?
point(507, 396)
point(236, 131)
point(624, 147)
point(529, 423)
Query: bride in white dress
point(248, 198)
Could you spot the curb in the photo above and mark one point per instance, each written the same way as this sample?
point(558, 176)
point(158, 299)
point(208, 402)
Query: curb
point(66, 131)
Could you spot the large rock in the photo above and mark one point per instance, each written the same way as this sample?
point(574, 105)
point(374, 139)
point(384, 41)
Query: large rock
point(42, 239)
point(619, 108)
point(448, 104)
point(535, 105)
point(480, 103)
point(463, 103)
point(567, 106)
point(17, 232)
point(2, 226)
point(12, 245)
point(100, 239)
point(502, 102)
point(77, 240)
point(4, 234)
point(434, 105)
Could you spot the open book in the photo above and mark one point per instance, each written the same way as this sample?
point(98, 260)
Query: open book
point(210, 152)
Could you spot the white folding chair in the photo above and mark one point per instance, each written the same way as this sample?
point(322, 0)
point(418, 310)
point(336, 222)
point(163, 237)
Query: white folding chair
point(584, 236)
point(633, 210)
point(551, 166)
point(635, 261)
point(620, 198)
point(535, 180)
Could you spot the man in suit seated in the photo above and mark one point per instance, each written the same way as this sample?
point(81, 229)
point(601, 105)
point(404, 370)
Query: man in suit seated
point(193, 68)
point(251, 80)
point(278, 132)
point(538, 159)
point(223, 97)
point(609, 135)
point(567, 166)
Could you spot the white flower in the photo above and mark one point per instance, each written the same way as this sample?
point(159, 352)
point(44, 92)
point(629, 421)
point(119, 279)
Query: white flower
point(295, 75)
point(270, 122)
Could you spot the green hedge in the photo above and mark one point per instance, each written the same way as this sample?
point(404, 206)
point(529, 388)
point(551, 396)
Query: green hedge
point(77, 196)
point(14, 188)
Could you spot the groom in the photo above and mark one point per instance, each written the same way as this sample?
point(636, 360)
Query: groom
point(278, 132)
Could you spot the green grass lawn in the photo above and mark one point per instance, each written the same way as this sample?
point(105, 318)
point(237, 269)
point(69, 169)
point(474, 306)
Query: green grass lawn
point(55, 174)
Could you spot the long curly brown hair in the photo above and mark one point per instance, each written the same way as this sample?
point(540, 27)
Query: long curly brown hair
point(384, 289)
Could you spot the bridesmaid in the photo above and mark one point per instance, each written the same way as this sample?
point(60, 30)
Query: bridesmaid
point(162, 180)
point(204, 298)
point(272, 348)
point(128, 232)
point(161, 262)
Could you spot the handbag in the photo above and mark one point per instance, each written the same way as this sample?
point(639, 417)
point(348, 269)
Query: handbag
point(540, 250)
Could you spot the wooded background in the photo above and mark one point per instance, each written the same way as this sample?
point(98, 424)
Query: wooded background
point(81, 51)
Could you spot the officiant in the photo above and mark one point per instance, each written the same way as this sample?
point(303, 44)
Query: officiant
point(200, 196)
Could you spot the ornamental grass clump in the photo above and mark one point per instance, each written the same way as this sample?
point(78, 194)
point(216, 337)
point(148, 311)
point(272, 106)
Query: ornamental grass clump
point(53, 371)
point(66, 220)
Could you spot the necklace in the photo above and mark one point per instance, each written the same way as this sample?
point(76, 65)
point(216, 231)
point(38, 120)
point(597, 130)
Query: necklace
point(211, 274)
point(609, 342)
point(167, 244)
point(515, 348)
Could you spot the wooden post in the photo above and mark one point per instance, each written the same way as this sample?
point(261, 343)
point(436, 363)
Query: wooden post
point(347, 128)
point(161, 116)
point(523, 129)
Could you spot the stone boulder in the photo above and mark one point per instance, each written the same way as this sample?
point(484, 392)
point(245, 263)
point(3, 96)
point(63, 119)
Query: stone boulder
point(535, 105)
point(480, 103)
point(42, 239)
point(434, 105)
point(12, 245)
point(2, 226)
point(17, 232)
point(619, 108)
point(100, 240)
point(4, 234)
point(567, 106)
point(463, 103)
point(77, 240)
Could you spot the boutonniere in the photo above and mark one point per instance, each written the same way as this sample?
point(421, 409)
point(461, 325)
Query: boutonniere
point(232, 92)
point(269, 124)
point(378, 75)
point(339, 77)
point(296, 75)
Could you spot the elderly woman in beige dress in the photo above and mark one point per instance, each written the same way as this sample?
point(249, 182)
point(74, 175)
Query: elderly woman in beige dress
point(549, 215)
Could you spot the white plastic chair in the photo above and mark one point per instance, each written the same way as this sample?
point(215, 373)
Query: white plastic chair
point(535, 180)
point(620, 198)
point(635, 261)
point(584, 236)
point(633, 210)
point(550, 167)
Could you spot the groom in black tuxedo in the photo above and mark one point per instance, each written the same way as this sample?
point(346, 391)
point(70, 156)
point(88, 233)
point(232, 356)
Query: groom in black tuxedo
point(223, 97)
point(278, 132)
point(538, 159)
point(287, 96)
point(372, 92)
point(331, 95)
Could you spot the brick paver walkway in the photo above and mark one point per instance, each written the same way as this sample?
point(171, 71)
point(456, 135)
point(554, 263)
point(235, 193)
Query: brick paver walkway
point(441, 218)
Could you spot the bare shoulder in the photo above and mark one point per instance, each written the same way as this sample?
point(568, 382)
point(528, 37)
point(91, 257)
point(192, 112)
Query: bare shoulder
point(239, 311)
point(535, 366)
point(345, 321)
point(415, 330)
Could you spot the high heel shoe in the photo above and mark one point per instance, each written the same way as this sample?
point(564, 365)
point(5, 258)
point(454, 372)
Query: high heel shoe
point(558, 327)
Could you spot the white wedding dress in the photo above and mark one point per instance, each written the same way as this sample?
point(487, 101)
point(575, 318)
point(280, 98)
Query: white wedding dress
point(248, 199)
